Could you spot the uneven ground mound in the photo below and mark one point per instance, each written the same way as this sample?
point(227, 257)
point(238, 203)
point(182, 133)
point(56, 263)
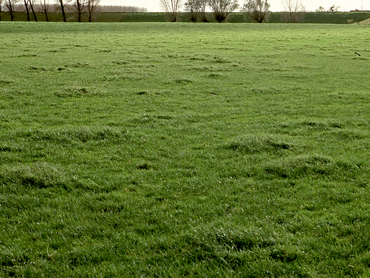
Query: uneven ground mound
point(365, 22)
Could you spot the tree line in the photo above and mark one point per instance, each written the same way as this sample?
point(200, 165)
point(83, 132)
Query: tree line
point(64, 6)
point(257, 10)
point(219, 8)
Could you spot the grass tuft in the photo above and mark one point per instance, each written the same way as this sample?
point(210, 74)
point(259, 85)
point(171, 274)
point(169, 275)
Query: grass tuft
point(252, 145)
point(36, 175)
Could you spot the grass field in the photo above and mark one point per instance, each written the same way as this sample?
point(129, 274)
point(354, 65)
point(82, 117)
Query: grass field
point(172, 150)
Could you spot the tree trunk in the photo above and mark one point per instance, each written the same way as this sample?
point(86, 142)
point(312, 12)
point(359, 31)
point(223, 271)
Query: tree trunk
point(46, 15)
point(79, 10)
point(33, 10)
point(10, 8)
point(203, 16)
point(63, 12)
point(193, 15)
point(64, 15)
point(28, 12)
point(89, 8)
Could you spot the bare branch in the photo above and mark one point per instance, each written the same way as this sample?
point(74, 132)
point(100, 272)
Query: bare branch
point(80, 6)
point(45, 7)
point(171, 7)
point(294, 9)
point(91, 7)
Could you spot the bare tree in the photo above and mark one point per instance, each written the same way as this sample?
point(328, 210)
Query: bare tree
point(91, 7)
point(197, 9)
point(44, 7)
point(320, 9)
point(1, 6)
point(202, 14)
point(171, 7)
point(258, 10)
point(294, 9)
point(63, 4)
point(31, 3)
point(222, 8)
point(27, 10)
point(191, 6)
point(10, 5)
point(80, 6)
point(334, 9)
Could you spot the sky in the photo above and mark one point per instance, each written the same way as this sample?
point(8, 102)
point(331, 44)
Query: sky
point(276, 5)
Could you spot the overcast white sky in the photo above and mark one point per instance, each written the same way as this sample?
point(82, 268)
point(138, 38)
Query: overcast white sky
point(276, 5)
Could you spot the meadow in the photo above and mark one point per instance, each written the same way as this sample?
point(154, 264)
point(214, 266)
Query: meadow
point(174, 150)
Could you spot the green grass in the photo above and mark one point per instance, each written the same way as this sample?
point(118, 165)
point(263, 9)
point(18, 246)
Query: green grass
point(172, 150)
